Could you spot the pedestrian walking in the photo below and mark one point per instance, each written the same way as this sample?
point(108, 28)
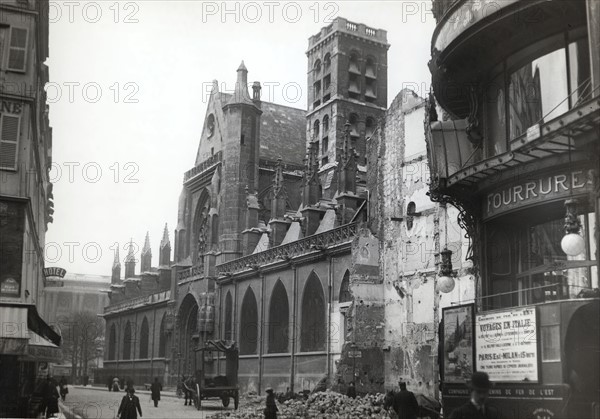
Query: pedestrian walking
point(271, 406)
point(405, 403)
point(115, 384)
point(351, 392)
point(64, 389)
point(155, 389)
point(476, 407)
point(130, 405)
point(109, 383)
point(51, 397)
point(189, 386)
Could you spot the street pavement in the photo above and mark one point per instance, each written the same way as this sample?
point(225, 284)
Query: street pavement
point(90, 403)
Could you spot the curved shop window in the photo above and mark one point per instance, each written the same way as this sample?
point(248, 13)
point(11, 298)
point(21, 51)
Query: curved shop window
point(525, 263)
point(536, 85)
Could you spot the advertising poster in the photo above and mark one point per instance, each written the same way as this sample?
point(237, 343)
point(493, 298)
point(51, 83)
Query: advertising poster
point(506, 345)
point(458, 343)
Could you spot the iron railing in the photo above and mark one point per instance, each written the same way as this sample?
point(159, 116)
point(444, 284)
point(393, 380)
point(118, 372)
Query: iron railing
point(212, 160)
point(286, 251)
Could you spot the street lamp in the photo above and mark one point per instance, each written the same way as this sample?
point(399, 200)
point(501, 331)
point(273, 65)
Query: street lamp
point(572, 243)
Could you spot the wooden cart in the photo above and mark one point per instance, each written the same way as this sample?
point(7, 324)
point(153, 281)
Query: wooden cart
point(211, 383)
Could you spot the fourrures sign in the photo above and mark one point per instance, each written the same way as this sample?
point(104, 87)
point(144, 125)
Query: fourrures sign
point(533, 191)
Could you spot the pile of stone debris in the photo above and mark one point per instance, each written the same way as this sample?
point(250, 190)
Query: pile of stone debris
point(322, 405)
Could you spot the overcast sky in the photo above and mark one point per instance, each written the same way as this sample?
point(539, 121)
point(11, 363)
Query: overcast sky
point(128, 94)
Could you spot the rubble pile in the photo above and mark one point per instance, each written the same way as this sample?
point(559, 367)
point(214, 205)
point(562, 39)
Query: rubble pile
point(322, 405)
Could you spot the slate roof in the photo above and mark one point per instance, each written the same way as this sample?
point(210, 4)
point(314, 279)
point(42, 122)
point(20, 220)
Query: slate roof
point(282, 132)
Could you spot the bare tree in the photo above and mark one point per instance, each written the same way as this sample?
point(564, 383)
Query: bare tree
point(83, 335)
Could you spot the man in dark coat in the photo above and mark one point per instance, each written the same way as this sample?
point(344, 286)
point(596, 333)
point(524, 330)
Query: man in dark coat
point(64, 389)
point(351, 392)
point(130, 405)
point(271, 409)
point(405, 403)
point(51, 397)
point(476, 408)
point(155, 389)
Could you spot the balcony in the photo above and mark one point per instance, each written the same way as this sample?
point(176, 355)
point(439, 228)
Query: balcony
point(195, 272)
point(202, 167)
point(321, 241)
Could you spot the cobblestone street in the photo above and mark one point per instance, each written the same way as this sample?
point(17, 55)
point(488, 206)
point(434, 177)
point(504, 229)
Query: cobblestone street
point(92, 403)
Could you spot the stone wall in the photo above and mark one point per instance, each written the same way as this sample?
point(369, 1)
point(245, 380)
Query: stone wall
point(412, 231)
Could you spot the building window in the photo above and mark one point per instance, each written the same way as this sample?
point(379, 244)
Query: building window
point(127, 338)
point(17, 52)
point(162, 338)
point(326, 82)
point(317, 68)
point(369, 127)
point(316, 130)
point(370, 68)
point(9, 141)
point(526, 265)
point(278, 320)
point(228, 332)
point(112, 342)
point(144, 339)
point(345, 294)
point(411, 209)
point(327, 62)
point(313, 326)
point(353, 64)
point(248, 324)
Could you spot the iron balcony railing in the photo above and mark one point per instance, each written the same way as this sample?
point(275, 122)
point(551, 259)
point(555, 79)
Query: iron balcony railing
point(286, 251)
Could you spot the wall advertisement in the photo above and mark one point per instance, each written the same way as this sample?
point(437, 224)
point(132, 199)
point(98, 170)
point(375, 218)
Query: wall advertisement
point(506, 345)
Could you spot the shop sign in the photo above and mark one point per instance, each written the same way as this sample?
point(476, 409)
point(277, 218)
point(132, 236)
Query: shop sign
point(506, 345)
point(534, 191)
point(55, 271)
point(9, 287)
point(11, 107)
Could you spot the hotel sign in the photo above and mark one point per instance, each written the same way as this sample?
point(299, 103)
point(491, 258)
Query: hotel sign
point(533, 191)
point(54, 271)
point(506, 345)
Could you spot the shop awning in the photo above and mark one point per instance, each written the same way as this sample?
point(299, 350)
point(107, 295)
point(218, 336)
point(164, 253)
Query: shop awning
point(41, 349)
point(24, 331)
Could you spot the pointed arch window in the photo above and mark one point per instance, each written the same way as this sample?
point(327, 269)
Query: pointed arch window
point(112, 342)
point(278, 320)
point(249, 324)
point(228, 332)
point(162, 338)
point(127, 339)
point(411, 211)
point(144, 339)
point(313, 326)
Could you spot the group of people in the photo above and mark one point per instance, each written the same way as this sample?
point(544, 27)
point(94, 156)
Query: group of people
point(405, 404)
point(51, 392)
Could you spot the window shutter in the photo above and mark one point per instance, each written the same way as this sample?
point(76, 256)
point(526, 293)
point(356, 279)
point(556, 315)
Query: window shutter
point(9, 140)
point(17, 53)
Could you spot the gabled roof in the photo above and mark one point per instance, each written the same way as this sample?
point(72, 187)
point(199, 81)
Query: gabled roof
point(282, 132)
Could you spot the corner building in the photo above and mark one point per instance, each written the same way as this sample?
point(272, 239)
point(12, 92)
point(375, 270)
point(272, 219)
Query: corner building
point(27, 342)
point(516, 149)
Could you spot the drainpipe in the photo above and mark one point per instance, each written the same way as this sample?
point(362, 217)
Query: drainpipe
point(294, 326)
point(135, 339)
point(330, 282)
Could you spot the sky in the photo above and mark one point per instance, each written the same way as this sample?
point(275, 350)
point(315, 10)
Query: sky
point(129, 84)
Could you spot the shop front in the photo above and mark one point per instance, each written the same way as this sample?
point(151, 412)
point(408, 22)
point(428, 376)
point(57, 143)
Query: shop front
point(27, 345)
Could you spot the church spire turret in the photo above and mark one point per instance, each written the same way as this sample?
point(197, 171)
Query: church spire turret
point(130, 261)
point(116, 269)
point(146, 255)
point(241, 93)
point(165, 248)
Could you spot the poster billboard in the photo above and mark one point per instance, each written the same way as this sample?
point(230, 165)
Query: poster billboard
point(506, 344)
point(458, 343)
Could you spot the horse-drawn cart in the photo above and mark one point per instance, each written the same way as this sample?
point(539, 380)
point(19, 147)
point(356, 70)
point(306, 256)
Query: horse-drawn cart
point(211, 381)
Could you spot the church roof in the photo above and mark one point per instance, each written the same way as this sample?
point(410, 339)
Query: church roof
point(282, 132)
